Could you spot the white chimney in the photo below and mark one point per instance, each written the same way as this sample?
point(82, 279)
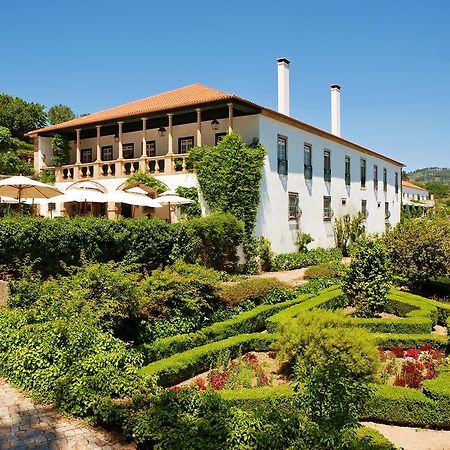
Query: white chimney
point(336, 109)
point(283, 86)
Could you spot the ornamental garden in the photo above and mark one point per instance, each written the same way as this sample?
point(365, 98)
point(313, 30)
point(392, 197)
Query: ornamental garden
point(151, 329)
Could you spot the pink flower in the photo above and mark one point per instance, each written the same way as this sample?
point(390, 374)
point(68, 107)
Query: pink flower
point(201, 383)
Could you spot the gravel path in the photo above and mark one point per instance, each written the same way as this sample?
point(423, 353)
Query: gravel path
point(413, 438)
point(24, 425)
point(293, 278)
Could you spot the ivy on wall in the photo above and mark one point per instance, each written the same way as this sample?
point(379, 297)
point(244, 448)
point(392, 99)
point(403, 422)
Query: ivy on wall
point(60, 149)
point(229, 175)
point(191, 210)
point(148, 180)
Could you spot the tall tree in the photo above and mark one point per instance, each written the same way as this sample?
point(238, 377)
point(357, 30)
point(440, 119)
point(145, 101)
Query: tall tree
point(20, 116)
point(15, 155)
point(60, 113)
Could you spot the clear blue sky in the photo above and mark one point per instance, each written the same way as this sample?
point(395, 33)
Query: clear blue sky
point(391, 57)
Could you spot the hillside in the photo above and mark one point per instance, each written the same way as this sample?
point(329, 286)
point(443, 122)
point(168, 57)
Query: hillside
point(430, 175)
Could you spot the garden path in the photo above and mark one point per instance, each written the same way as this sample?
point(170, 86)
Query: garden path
point(408, 438)
point(24, 425)
point(293, 278)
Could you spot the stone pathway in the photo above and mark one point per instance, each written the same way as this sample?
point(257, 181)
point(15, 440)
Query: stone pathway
point(24, 425)
point(408, 438)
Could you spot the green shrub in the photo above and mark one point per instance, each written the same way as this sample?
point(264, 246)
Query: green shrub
point(368, 279)
point(254, 289)
point(333, 368)
point(190, 210)
point(326, 270)
point(419, 249)
point(265, 254)
point(184, 365)
point(290, 261)
point(218, 236)
point(370, 439)
point(246, 322)
point(347, 231)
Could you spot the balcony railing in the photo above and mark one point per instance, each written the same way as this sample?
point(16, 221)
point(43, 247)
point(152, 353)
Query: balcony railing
point(167, 164)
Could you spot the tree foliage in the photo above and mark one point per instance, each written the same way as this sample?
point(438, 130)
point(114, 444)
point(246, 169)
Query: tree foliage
point(60, 113)
point(348, 230)
point(420, 249)
point(147, 180)
point(14, 155)
point(20, 116)
point(191, 210)
point(333, 368)
point(368, 280)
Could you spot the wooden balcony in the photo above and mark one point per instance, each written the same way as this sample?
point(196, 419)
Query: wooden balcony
point(156, 165)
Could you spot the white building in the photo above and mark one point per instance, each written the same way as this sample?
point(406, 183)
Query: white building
point(413, 195)
point(311, 176)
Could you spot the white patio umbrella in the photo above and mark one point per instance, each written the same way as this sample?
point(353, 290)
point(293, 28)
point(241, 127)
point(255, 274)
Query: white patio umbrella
point(8, 200)
point(137, 190)
point(132, 199)
point(172, 198)
point(20, 187)
point(80, 196)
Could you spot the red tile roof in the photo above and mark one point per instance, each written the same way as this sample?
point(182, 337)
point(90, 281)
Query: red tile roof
point(408, 184)
point(191, 96)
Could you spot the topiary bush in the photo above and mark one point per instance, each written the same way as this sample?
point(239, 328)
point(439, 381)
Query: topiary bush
point(368, 279)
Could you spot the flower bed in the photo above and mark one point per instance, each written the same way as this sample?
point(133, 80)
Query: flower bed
point(410, 367)
point(251, 370)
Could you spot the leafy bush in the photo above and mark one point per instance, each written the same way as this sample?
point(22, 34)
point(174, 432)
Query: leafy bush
point(265, 254)
point(347, 230)
point(419, 249)
point(369, 278)
point(190, 210)
point(52, 244)
point(333, 368)
point(60, 150)
point(370, 439)
point(290, 261)
point(218, 236)
point(326, 270)
point(253, 289)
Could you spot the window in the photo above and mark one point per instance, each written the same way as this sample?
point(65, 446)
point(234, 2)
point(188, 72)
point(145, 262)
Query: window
point(219, 137)
point(150, 148)
point(86, 155)
point(385, 180)
point(282, 155)
point(294, 208)
point(375, 177)
point(327, 211)
point(348, 178)
point(128, 151)
point(107, 153)
point(327, 166)
point(364, 211)
point(51, 207)
point(387, 213)
point(396, 182)
point(185, 144)
point(363, 172)
point(307, 158)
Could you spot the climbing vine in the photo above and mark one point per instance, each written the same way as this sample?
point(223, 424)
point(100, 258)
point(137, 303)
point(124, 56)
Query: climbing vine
point(147, 180)
point(191, 210)
point(60, 148)
point(229, 175)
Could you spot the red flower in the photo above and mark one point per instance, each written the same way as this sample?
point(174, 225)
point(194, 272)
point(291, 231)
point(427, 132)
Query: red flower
point(175, 388)
point(397, 351)
point(399, 382)
point(201, 383)
point(218, 382)
point(412, 353)
point(264, 379)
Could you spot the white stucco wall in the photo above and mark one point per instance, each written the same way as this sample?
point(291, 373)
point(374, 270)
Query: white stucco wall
point(410, 193)
point(273, 220)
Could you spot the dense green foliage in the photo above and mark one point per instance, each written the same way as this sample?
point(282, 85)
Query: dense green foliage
point(60, 113)
point(52, 244)
point(229, 175)
point(368, 279)
point(60, 150)
point(189, 210)
point(347, 230)
point(419, 249)
point(20, 116)
point(15, 155)
point(290, 261)
point(147, 180)
point(332, 372)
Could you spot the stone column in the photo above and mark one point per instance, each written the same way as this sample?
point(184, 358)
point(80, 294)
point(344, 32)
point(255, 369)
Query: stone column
point(144, 137)
point(170, 135)
point(230, 117)
point(199, 127)
point(98, 160)
point(76, 174)
point(119, 164)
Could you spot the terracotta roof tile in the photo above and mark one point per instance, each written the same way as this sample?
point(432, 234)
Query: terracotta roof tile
point(408, 184)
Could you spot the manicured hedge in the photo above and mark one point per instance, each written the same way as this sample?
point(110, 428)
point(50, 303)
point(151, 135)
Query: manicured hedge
point(439, 388)
point(152, 242)
point(182, 366)
point(389, 340)
point(290, 261)
point(247, 322)
point(370, 439)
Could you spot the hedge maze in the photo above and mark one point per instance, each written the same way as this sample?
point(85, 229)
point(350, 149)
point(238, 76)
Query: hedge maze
point(178, 358)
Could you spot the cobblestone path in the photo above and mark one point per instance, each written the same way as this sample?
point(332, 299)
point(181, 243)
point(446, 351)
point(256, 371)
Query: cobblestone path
point(24, 425)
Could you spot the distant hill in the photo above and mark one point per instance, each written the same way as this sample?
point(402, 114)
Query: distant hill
point(430, 175)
